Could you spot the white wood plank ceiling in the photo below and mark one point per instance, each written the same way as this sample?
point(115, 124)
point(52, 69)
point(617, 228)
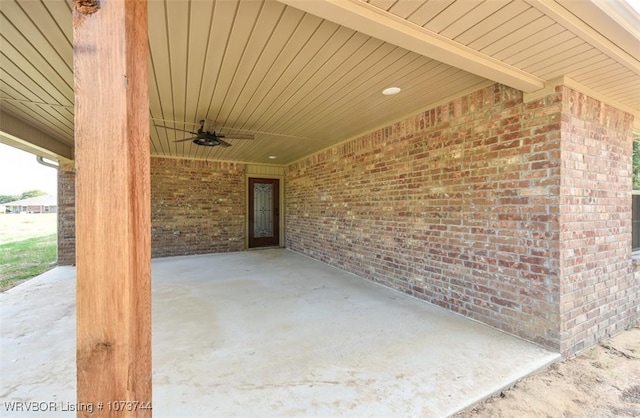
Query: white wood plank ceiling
point(300, 76)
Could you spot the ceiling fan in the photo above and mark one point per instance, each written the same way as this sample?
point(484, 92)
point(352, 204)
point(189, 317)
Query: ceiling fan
point(208, 139)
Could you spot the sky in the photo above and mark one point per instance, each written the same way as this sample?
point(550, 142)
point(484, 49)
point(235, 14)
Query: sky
point(20, 172)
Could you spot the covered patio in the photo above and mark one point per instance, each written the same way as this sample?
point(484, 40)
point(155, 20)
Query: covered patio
point(495, 183)
point(270, 333)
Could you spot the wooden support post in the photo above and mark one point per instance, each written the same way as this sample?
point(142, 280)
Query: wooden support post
point(113, 216)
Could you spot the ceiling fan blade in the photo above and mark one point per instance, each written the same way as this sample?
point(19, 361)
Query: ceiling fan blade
point(244, 130)
point(186, 139)
point(223, 143)
point(175, 129)
point(238, 136)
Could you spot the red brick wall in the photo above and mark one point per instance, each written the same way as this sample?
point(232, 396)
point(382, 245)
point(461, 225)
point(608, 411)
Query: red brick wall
point(600, 295)
point(66, 215)
point(458, 205)
point(196, 207)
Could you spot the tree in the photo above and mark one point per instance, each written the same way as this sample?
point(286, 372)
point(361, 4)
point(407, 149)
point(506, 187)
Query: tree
point(32, 193)
point(5, 198)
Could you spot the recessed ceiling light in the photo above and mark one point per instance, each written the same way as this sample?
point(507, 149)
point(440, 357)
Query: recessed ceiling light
point(272, 157)
point(391, 91)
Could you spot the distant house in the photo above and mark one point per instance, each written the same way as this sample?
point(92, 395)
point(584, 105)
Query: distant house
point(38, 204)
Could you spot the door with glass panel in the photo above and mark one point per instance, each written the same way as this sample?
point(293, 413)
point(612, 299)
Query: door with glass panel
point(264, 212)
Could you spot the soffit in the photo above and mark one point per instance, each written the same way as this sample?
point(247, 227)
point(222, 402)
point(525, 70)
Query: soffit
point(299, 81)
point(547, 39)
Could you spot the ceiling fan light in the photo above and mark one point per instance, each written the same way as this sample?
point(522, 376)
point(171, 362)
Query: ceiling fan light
point(206, 142)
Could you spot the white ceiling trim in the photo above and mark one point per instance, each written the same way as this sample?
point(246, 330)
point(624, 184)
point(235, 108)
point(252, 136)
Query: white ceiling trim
point(370, 20)
point(622, 13)
point(594, 37)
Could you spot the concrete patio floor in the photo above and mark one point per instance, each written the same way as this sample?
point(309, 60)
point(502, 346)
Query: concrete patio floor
point(269, 333)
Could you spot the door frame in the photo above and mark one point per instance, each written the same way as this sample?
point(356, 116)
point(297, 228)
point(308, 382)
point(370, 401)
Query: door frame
point(248, 196)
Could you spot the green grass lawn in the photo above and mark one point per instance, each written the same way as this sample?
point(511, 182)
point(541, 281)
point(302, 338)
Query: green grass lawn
point(28, 246)
point(18, 227)
point(25, 259)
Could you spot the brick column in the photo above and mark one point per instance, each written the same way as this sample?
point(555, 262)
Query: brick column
point(66, 215)
point(599, 295)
